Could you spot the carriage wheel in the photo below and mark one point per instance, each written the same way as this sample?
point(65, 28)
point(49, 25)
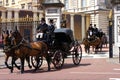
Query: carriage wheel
point(58, 59)
point(77, 55)
point(34, 62)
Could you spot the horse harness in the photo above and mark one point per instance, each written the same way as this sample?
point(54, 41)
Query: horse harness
point(12, 46)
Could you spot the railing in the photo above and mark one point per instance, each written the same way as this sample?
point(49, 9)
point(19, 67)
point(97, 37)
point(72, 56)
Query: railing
point(23, 26)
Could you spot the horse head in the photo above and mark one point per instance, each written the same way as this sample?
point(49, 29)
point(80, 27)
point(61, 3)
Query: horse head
point(16, 37)
point(7, 40)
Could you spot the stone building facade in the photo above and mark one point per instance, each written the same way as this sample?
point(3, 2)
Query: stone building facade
point(89, 12)
point(77, 14)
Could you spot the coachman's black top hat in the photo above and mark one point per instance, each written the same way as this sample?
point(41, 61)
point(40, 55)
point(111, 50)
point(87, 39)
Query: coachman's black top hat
point(42, 19)
point(51, 21)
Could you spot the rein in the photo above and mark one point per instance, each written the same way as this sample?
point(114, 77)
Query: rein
point(21, 44)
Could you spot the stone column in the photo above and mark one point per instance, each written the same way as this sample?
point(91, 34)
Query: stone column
point(40, 15)
point(72, 23)
point(3, 16)
point(35, 16)
point(83, 26)
point(9, 17)
point(16, 15)
point(16, 18)
point(3, 20)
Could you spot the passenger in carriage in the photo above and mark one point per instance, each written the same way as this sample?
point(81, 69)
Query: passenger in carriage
point(92, 32)
point(51, 29)
point(100, 33)
point(42, 30)
point(95, 30)
point(90, 28)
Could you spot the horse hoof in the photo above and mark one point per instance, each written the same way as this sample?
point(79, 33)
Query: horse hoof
point(30, 67)
point(34, 70)
point(9, 67)
point(11, 70)
point(48, 69)
point(21, 72)
point(18, 67)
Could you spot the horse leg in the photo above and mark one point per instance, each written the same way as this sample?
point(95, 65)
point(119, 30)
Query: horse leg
point(85, 48)
point(88, 49)
point(93, 49)
point(101, 47)
point(22, 65)
point(28, 61)
point(6, 60)
point(12, 63)
point(48, 59)
point(37, 57)
point(96, 50)
point(18, 67)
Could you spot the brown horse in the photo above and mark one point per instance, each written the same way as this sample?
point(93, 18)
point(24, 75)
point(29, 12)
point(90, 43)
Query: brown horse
point(23, 49)
point(10, 53)
point(104, 40)
point(96, 44)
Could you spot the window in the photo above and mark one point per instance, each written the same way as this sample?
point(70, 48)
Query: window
point(118, 7)
point(75, 3)
point(52, 1)
point(52, 11)
point(23, 6)
point(29, 5)
point(0, 3)
point(66, 4)
point(92, 3)
point(83, 3)
point(13, 1)
point(7, 3)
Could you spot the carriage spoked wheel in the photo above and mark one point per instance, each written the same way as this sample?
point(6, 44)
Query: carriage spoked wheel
point(77, 55)
point(35, 60)
point(58, 59)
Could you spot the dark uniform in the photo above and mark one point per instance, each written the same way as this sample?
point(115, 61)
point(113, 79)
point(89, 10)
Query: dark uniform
point(95, 30)
point(91, 28)
point(42, 28)
point(90, 33)
point(51, 29)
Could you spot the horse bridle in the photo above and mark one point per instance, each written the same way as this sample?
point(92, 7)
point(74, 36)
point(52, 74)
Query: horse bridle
point(9, 44)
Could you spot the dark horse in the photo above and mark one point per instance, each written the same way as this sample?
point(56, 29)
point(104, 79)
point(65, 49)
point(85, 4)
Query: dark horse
point(96, 44)
point(10, 52)
point(23, 49)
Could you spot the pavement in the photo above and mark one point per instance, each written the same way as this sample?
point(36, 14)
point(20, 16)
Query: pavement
point(92, 67)
point(91, 55)
point(1, 53)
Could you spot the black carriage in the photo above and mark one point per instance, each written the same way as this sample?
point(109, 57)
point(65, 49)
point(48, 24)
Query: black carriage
point(63, 45)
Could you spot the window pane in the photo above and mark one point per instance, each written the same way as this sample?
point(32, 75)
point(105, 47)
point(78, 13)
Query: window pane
point(84, 3)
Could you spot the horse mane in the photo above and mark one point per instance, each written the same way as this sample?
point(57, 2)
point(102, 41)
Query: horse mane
point(18, 37)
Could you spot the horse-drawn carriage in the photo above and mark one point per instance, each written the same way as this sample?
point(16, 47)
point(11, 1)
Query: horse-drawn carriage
point(63, 41)
point(95, 40)
point(61, 46)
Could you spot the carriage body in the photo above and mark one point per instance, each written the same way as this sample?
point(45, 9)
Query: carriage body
point(63, 39)
point(62, 44)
